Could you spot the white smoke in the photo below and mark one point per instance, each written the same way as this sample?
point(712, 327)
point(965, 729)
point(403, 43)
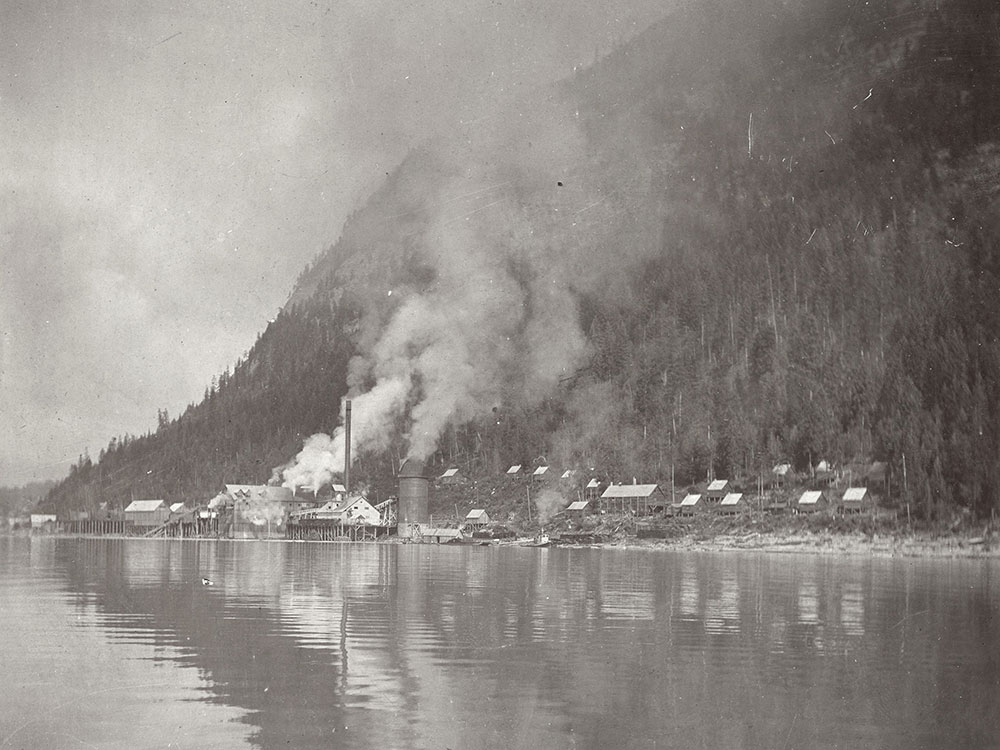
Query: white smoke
point(548, 502)
point(315, 465)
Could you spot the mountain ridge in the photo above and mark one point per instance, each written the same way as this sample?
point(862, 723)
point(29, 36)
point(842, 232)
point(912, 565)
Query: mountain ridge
point(710, 262)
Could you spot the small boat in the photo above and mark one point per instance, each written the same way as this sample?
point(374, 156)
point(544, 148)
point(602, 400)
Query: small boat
point(542, 540)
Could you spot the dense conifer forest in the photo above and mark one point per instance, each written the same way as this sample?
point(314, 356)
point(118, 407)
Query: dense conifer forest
point(779, 226)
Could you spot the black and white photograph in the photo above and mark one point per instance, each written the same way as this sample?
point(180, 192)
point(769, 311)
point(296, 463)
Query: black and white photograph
point(493, 374)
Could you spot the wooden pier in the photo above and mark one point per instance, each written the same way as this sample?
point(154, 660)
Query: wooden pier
point(320, 530)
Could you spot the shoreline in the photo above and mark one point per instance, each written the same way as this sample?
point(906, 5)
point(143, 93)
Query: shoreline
point(840, 544)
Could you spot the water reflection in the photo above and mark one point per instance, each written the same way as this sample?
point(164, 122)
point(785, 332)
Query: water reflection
point(411, 646)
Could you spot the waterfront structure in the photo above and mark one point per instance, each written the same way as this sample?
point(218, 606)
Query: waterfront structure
point(147, 513)
point(638, 499)
point(438, 536)
point(414, 491)
point(477, 518)
point(43, 522)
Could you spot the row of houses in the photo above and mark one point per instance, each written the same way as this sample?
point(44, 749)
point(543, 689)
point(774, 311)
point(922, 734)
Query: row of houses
point(718, 497)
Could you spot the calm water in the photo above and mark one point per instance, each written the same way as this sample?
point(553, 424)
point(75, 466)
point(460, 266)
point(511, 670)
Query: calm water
point(116, 643)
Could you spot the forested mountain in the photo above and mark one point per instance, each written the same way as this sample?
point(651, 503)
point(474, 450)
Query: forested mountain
point(761, 231)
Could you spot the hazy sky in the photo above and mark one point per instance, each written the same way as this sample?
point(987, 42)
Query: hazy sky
point(169, 168)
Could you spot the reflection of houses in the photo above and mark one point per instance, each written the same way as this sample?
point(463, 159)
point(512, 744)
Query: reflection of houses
point(147, 513)
point(717, 489)
point(731, 504)
point(477, 518)
point(638, 499)
point(856, 500)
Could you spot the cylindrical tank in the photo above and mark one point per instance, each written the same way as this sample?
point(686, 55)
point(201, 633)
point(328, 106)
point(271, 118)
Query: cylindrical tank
point(414, 488)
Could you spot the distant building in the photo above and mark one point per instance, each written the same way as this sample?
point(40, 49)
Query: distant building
point(539, 473)
point(856, 500)
point(781, 472)
point(439, 536)
point(260, 507)
point(717, 489)
point(451, 476)
point(877, 475)
point(477, 518)
point(689, 505)
point(355, 511)
point(638, 499)
point(568, 474)
point(147, 513)
point(578, 508)
point(339, 489)
point(515, 469)
point(43, 522)
point(811, 501)
point(731, 504)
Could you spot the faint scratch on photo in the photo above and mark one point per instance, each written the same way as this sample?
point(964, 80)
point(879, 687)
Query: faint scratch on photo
point(863, 100)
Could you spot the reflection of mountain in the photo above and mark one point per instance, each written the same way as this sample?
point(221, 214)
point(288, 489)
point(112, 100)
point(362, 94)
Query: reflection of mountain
point(414, 646)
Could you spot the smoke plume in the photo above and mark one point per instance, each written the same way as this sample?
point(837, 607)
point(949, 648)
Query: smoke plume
point(493, 319)
point(547, 503)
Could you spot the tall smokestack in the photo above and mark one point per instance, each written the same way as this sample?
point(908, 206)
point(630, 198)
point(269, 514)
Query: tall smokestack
point(347, 446)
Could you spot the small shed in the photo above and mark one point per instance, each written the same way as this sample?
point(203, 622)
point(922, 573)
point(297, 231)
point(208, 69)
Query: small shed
point(717, 489)
point(811, 501)
point(877, 475)
point(450, 476)
point(539, 473)
point(568, 474)
point(781, 472)
point(856, 500)
point(477, 518)
point(147, 513)
point(639, 499)
point(578, 508)
point(731, 504)
point(440, 536)
point(689, 505)
point(339, 489)
point(513, 470)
